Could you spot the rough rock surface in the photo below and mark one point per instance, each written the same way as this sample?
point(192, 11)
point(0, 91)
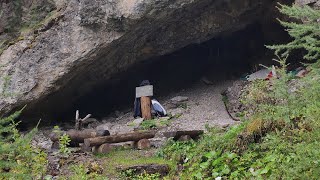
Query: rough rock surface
point(234, 95)
point(88, 42)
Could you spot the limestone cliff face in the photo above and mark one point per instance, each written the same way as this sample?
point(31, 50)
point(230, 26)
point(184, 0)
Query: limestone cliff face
point(84, 43)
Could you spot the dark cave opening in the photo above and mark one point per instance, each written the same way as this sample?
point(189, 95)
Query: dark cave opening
point(226, 57)
point(221, 58)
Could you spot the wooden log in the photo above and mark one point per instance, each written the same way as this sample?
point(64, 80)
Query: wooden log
point(102, 149)
point(162, 169)
point(143, 144)
point(79, 136)
point(146, 107)
point(194, 134)
point(123, 145)
point(135, 136)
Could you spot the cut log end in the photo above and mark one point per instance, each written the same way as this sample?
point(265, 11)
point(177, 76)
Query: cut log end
point(102, 149)
point(143, 144)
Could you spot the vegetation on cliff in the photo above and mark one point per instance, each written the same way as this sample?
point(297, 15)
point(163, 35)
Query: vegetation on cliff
point(21, 18)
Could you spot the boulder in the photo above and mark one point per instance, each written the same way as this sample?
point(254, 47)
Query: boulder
point(136, 123)
point(84, 43)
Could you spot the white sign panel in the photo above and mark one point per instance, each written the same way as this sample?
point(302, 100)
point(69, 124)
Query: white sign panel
point(144, 91)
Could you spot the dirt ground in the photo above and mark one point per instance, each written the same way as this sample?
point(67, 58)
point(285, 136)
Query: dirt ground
point(204, 107)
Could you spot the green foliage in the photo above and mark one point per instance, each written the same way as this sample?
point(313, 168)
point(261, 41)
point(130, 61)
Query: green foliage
point(26, 20)
point(81, 172)
point(127, 158)
point(272, 100)
point(64, 141)
point(154, 123)
point(130, 174)
point(18, 159)
point(289, 152)
point(305, 31)
point(5, 92)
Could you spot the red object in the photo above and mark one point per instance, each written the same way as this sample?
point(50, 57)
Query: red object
point(270, 75)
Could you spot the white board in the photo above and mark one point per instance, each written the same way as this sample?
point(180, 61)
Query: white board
point(144, 91)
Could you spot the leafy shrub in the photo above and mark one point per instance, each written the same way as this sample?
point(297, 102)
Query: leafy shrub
point(154, 123)
point(18, 159)
point(130, 174)
point(81, 172)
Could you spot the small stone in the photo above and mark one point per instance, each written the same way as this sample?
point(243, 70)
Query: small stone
point(176, 112)
point(137, 122)
point(55, 145)
point(107, 125)
point(185, 138)
point(225, 125)
point(158, 142)
point(90, 123)
point(179, 99)
point(102, 132)
point(143, 144)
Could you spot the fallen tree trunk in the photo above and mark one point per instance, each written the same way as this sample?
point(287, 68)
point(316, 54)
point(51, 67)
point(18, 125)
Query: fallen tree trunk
point(177, 134)
point(135, 136)
point(102, 149)
point(79, 136)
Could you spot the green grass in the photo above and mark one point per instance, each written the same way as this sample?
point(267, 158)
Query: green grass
point(154, 123)
point(126, 158)
point(279, 140)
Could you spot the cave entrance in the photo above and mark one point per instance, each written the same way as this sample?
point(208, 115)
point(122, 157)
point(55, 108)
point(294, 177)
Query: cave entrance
point(229, 56)
point(222, 58)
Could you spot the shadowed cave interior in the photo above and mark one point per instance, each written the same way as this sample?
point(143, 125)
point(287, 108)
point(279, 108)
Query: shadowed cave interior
point(229, 56)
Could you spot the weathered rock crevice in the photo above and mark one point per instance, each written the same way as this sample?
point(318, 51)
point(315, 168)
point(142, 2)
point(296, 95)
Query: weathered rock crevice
point(97, 41)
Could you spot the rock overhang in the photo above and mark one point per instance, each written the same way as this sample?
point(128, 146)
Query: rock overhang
point(97, 40)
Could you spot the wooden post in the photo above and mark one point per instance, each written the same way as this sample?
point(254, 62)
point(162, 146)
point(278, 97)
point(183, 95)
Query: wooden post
point(146, 107)
point(144, 93)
